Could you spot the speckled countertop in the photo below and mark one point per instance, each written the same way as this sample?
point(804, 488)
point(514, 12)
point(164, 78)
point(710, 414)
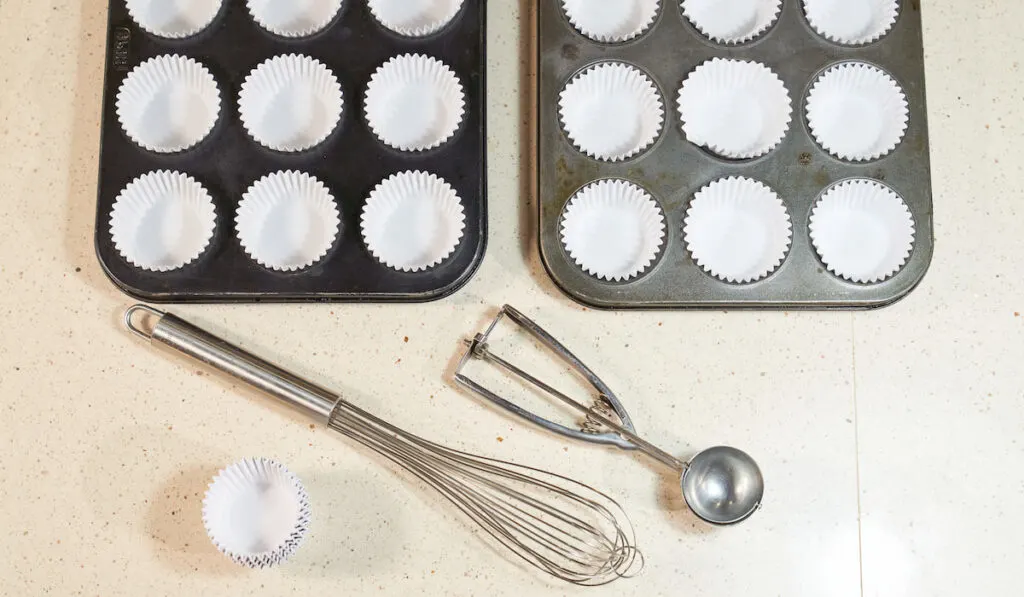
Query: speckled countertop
point(890, 440)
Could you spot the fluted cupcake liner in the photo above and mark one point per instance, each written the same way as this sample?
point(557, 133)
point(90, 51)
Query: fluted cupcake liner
point(613, 229)
point(732, 22)
point(289, 18)
point(168, 103)
point(287, 221)
point(414, 102)
point(256, 512)
point(413, 221)
point(852, 22)
point(738, 230)
point(736, 109)
point(857, 112)
point(290, 103)
point(611, 21)
point(162, 221)
point(415, 19)
point(862, 230)
point(173, 20)
point(611, 111)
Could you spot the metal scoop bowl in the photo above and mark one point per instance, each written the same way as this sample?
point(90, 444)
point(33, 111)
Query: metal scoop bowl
point(723, 485)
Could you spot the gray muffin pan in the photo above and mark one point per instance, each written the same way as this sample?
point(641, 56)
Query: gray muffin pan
point(673, 169)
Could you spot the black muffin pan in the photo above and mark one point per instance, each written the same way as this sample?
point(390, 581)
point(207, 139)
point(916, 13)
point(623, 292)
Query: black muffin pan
point(673, 169)
point(351, 162)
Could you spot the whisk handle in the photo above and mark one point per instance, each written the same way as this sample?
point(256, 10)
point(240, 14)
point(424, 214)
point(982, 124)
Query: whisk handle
point(220, 354)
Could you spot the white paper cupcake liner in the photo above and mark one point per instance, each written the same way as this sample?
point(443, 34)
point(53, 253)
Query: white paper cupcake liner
point(413, 221)
point(857, 112)
point(732, 21)
point(289, 18)
point(852, 22)
point(613, 229)
point(162, 221)
point(418, 18)
point(738, 230)
point(736, 109)
point(287, 221)
point(256, 512)
point(168, 104)
point(290, 103)
point(414, 103)
point(173, 20)
point(862, 230)
point(611, 21)
point(611, 111)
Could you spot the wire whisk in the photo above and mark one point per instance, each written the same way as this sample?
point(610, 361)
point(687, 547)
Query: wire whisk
point(561, 526)
point(530, 511)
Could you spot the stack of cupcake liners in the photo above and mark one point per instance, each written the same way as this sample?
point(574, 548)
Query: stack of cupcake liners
point(791, 169)
point(256, 142)
point(256, 512)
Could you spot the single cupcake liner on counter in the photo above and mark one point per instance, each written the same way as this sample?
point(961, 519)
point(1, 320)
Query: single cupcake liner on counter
point(418, 18)
point(732, 22)
point(413, 221)
point(290, 103)
point(852, 22)
point(168, 104)
point(289, 18)
point(611, 21)
point(611, 111)
point(287, 221)
point(738, 230)
point(857, 112)
point(862, 230)
point(256, 512)
point(735, 108)
point(173, 20)
point(613, 229)
point(162, 221)
point(414, 102)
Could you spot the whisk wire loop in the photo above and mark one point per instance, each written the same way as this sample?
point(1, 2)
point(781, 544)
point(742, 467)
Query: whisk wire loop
point(579, 535)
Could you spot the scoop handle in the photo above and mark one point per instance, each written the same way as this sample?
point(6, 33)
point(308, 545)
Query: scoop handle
point(220, 354)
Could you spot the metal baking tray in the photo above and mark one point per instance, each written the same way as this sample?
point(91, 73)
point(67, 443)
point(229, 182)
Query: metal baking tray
point(673, 170)
point(351, 162)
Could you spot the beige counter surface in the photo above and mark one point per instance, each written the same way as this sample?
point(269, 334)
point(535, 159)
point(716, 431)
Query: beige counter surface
point(890, 440)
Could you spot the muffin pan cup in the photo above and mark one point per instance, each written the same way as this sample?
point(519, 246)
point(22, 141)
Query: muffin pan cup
point(350, 162)
point(673, 170)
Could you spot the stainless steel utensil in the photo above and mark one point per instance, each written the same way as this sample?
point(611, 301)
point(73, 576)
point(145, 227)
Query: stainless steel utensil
point(721, 485)
point(560, 526)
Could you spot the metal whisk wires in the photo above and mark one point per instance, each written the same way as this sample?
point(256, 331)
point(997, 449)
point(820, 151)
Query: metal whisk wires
point(561, 526)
